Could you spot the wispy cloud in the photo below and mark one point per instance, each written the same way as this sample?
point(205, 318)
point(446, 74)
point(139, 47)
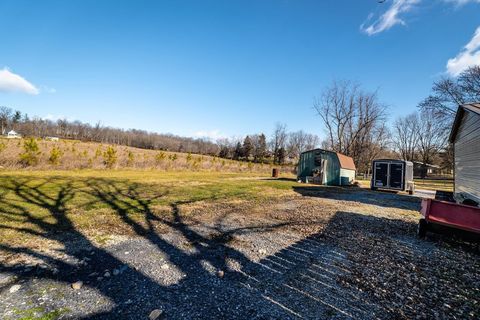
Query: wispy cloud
point(56, 117)
point(11, 82)
point(461, 2)
point(48, 89)
point(389, 18)
point(468, 57)
point(210, 135)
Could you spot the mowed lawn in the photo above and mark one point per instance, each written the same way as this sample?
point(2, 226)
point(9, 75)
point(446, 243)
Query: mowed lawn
point(34, 204)
point(425, 184)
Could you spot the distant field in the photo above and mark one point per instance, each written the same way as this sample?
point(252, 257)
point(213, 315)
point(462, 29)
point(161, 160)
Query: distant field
point(75, 154)
point(434, 184)
point(427, 184)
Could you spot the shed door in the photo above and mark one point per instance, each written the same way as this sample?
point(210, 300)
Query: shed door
point(396, 175)
point(380, 174)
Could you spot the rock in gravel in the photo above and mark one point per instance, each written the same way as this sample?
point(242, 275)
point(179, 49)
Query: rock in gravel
point(155, 314)
point(116, 272)
point(165, 266)
point(262, 251)
point(14, 288)
point(106, 274)
point(220, 273)
point(77, 285)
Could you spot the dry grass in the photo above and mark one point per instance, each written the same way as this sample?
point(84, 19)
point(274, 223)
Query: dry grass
point(90, 155)
point(95, 202)
point(434, 184)
point(425, 184)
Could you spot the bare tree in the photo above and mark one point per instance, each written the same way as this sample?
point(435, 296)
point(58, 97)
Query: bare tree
point(353, 119)
point(406, 136)
point(5, 114)
point(279, 139)
point(300, 141)
point(449, 93)
point(432, 138)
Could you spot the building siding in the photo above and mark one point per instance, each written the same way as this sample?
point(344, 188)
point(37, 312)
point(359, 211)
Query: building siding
point(348, 175)
point(307, 164)
point(467, 157)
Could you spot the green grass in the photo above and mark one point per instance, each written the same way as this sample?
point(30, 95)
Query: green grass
point(39, 313)
point(426, 184)
point(97, 202)
point(434, 184)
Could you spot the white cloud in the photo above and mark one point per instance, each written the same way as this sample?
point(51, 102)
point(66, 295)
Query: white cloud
point(11, 82)
point(468, 57)
point(211, 135)
point(461, 2)
point(49, 89)
point(389, 18)
point(56, 117)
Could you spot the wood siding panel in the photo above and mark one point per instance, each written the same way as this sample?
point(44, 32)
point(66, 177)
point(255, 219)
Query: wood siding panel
point(467, 157)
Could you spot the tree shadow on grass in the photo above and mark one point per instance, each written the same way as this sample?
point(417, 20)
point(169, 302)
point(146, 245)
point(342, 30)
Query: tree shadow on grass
point(314, 277)
point(198, 293)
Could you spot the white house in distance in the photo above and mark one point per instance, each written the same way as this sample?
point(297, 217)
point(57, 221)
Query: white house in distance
point(52, 138)
point(13, 135)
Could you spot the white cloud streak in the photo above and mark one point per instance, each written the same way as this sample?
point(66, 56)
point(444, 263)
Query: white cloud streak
point(460, 3)
point(210, 135)
point(11, 82)
point(468, 57)
point(389, 18)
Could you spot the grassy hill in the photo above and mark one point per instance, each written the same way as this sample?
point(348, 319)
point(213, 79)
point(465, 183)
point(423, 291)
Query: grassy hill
point(72, 154)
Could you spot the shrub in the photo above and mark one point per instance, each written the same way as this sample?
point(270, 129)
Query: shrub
point(189, 157)
point(173, 157)
point(130, 158)
point(3, 146)
point(29, 157)
point(110, 157)
point(98, 152)
point(159, 157)
point(55, 156)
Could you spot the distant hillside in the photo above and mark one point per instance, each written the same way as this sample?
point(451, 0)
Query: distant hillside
point(74, 154)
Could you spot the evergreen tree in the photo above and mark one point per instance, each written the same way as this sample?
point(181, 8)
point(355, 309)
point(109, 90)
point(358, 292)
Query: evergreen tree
point(247, 147)
point(260, 149)
point(237, 154)
point(224, 152)
point(281, 155)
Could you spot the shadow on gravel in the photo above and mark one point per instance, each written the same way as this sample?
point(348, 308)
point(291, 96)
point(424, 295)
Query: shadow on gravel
point(378, 198)
point(341, 272)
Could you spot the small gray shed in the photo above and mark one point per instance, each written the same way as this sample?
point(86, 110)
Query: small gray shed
point(465, 137)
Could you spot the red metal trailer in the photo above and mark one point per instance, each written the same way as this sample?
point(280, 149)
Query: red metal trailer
point(448, 214)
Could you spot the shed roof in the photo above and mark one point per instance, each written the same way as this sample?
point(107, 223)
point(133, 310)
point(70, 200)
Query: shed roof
point(473, 107)
point(346, 162)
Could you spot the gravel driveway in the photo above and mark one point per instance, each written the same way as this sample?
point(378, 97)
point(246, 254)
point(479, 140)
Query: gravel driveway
point(326, 253)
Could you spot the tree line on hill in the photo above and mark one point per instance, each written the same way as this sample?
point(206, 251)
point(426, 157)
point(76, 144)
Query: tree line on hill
point(355, 122)
point(257, 148)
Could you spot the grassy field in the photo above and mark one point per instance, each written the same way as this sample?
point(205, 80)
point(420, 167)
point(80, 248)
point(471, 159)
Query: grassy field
point(434, 184)
point(36, 203)
point(74, 155)
point(426, 184)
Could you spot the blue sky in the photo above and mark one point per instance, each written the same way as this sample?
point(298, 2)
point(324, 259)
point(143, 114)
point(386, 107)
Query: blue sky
point(224, 68)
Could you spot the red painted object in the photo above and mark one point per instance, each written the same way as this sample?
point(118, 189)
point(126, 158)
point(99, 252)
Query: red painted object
point(450, 214)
